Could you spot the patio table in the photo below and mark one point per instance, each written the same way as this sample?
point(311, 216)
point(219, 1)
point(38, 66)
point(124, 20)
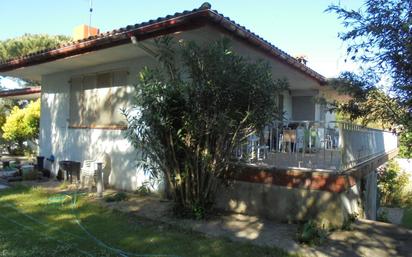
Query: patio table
point(70, 168)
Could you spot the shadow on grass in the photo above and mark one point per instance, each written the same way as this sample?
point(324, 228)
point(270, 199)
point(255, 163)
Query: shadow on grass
point(31, 226)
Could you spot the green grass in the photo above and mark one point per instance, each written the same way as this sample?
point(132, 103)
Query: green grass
point(407, 218)
point(35, 223)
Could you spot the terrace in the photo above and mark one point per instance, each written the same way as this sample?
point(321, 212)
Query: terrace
point(314, 145)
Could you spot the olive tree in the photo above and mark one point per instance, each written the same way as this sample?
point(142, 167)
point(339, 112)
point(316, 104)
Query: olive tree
point(192, 110)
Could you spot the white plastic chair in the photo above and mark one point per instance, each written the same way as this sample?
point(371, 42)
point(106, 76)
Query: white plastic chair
point(88, 173)
point(300, 138)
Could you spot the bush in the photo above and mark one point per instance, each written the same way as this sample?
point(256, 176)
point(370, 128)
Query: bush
point(118, 197)
point(22, 125)
point(348, 222)
point(144, 189)
point(382, 216)
point(405, 144)
point(311, 233)
point(393, 186)
point(192, 111)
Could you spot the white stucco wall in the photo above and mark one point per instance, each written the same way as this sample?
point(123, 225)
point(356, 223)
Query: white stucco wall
point(81, 144)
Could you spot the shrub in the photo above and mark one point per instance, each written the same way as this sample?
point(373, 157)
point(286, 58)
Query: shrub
point(382, 216)
point(192, 111)
point(144, 189)
point(117, 197)
point(405, 144)
point(311, 233)
point(393, 186)
point(22, 124)
point(348, 222)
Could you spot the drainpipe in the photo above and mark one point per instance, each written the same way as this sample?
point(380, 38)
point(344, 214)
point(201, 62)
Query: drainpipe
point(141, 45)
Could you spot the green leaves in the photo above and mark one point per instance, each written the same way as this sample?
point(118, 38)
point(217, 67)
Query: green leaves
point(393, 186)
point(28, 43)
point(22, 124)
point(380, 36)
point(367, 103)
point(193, 108)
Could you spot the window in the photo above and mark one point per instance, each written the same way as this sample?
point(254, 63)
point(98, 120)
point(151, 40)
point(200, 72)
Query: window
point(96, 99)
point(280, 105)
point(303, 108)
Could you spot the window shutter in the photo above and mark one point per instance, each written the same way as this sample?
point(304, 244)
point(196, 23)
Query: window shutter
point(119, 96)
point(97, 99)
point(76, 100)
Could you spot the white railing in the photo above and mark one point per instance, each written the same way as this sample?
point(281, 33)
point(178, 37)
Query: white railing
point(316, 145)
point(359, 144)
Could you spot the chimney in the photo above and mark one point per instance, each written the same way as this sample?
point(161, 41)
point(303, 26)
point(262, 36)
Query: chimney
point(302, 58)
point(84, 31)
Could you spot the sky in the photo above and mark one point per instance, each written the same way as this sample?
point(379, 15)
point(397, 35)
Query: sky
point(295, 26)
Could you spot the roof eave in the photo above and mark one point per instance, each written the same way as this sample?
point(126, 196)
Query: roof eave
point(20, 92)
point(184, 21)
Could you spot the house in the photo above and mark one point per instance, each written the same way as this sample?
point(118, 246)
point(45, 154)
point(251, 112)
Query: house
point(20, 96)
point(314, 167)
point(26, 93)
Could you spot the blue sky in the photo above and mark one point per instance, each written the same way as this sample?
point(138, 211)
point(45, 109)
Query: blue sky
point(295, 26)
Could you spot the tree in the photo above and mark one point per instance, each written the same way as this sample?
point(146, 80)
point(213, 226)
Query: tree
point(22, 124)
point(393, 186)
point(29, 43)
point(367, 103)
point(192, 110)
point(380, 36)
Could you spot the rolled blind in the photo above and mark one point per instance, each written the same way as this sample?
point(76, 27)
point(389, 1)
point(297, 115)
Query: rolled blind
point(97, 99)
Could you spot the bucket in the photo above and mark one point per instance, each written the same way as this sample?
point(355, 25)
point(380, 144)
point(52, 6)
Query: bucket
point(40, 162)
point(26, 169)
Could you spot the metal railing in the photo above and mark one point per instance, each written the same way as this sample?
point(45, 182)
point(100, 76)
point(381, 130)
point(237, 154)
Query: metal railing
point(315, 145)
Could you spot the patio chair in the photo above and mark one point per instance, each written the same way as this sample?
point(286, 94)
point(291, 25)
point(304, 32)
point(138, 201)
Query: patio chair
point(300, 139)
point(289, 140)
point(252, 147)
point(88, 173)
point(280, 144)
point(262, 152)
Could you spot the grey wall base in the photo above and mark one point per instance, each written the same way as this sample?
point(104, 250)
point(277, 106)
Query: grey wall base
point(292, 204)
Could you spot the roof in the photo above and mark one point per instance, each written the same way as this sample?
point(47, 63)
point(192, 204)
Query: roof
point(21, 93)
point(171, 23)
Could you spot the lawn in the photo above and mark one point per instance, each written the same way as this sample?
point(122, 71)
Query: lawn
point(36, 223)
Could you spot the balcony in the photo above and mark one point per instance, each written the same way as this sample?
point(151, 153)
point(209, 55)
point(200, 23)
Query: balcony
point(318, 146)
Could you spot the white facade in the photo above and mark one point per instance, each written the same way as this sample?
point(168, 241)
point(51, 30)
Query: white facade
point(79, 144)
point(58, 138)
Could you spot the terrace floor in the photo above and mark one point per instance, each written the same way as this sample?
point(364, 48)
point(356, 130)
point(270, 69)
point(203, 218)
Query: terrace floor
point(323, 160)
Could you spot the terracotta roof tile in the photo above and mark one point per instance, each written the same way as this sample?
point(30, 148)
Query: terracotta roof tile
point(110, 38)
point(19, 91)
